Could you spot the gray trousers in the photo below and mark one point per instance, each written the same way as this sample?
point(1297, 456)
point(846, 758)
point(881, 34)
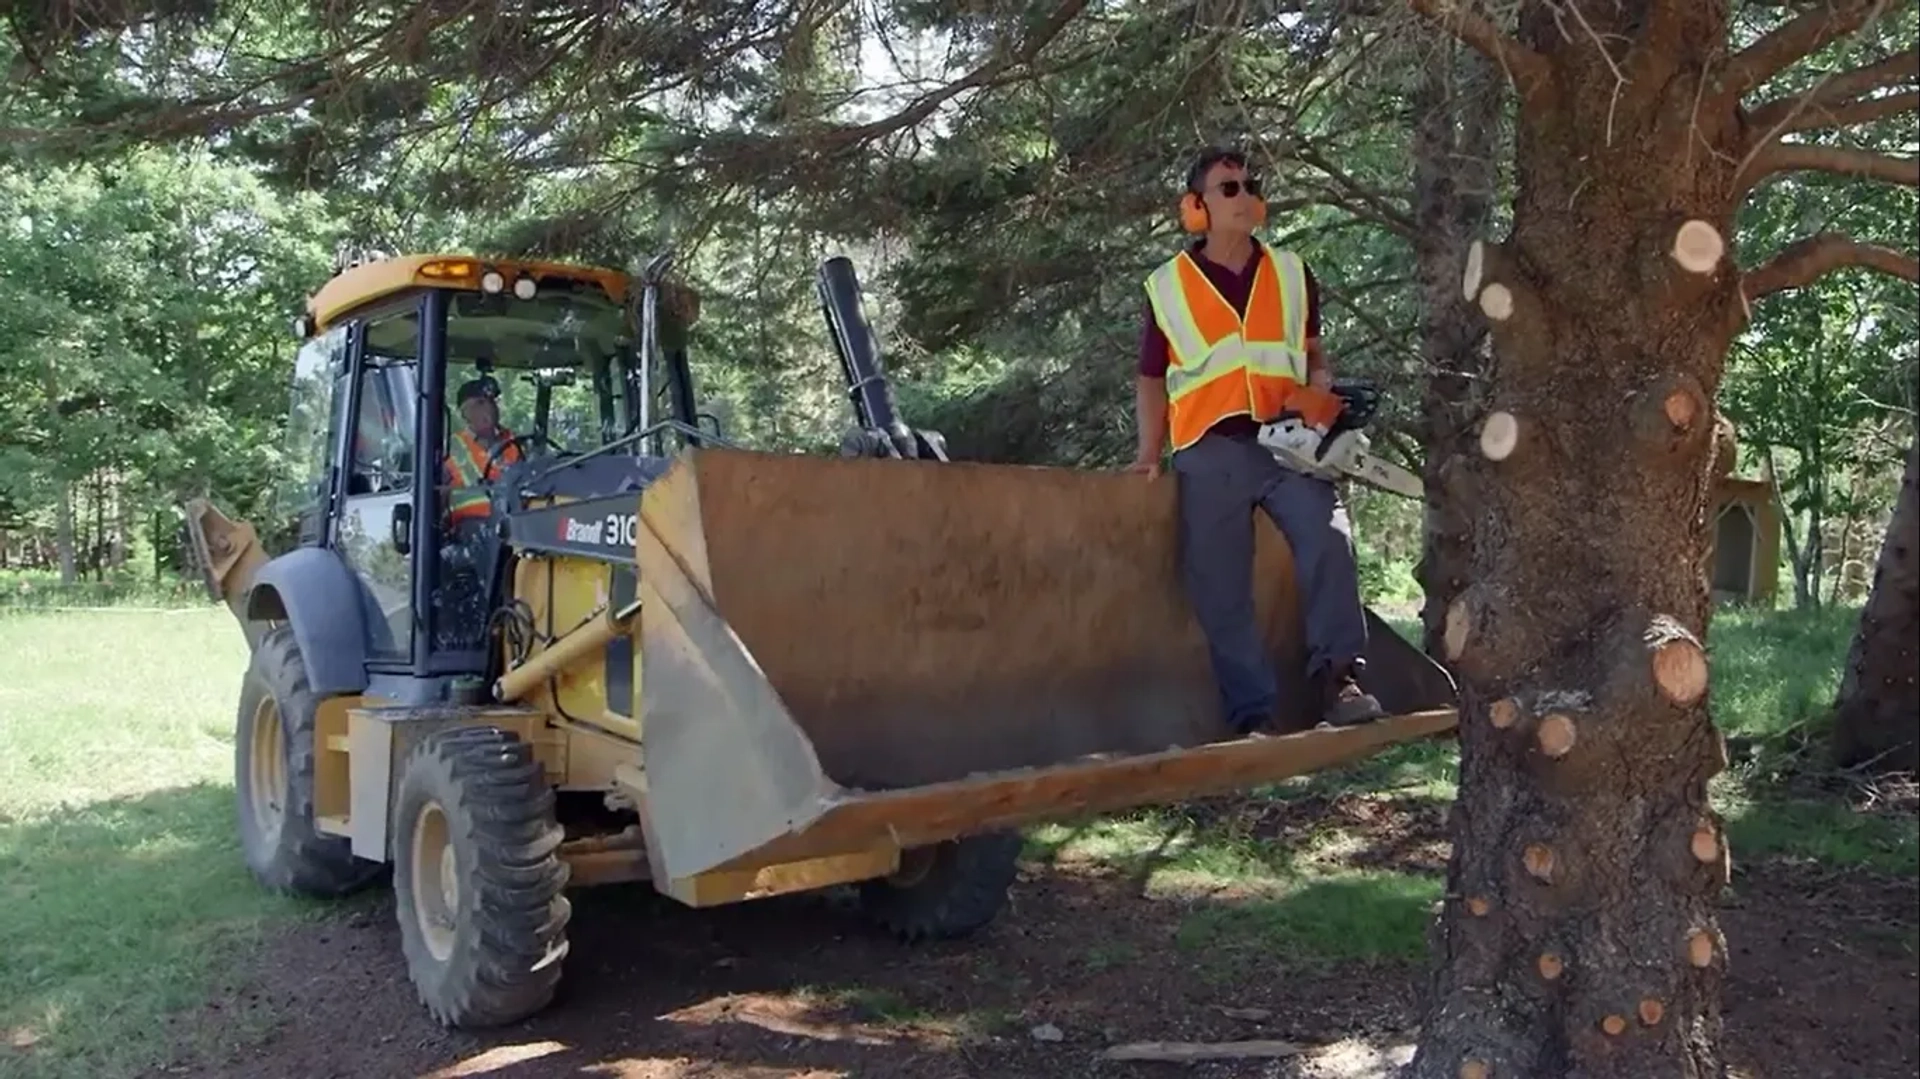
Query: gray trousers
point(1221, 479)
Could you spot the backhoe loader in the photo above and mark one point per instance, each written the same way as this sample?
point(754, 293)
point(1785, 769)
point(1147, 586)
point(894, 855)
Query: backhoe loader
point(653, 655)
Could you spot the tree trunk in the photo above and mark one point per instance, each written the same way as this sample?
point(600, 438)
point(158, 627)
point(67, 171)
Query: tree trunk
point(1579, 935)
point(1876, 719)
point(1456, 107)
point(63, 531)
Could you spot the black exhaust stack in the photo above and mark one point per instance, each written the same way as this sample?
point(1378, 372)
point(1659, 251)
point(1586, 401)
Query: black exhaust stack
point(880, 431)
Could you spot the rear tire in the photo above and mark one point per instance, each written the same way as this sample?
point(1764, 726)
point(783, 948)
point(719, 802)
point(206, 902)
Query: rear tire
point(944, 891)
point(477, 878)
point(273, 755)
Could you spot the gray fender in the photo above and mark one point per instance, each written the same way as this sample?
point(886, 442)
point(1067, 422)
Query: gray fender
point(313, 591)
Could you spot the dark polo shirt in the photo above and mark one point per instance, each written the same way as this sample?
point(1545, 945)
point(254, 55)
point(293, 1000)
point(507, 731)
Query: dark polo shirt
point(1236, 289)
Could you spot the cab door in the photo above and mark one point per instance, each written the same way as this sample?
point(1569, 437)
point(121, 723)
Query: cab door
point(374, 529)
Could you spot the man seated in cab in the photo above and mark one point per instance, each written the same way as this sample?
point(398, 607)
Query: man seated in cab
point(1231, 341)
point(467, 499)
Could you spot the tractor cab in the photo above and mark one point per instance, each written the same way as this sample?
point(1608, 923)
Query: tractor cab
point(416, 376)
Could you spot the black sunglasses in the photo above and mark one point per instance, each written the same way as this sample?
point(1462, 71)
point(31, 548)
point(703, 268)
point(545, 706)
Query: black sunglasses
point(1231, 188)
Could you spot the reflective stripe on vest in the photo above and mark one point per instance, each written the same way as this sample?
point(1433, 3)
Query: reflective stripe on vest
point(1220, 364)
point(467, 500)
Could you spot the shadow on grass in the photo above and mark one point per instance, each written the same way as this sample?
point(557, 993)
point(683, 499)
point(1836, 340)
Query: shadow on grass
point(1355, 917)
point(118, 915)
point(1829, 832)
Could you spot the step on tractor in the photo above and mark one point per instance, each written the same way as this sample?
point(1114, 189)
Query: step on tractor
point(641, 652)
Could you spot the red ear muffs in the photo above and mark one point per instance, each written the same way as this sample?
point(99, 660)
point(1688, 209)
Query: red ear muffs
point(1193, 213)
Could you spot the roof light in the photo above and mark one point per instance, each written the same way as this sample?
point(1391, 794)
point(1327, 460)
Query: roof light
point(447, 270)
point(491, 282)
point(525, 288)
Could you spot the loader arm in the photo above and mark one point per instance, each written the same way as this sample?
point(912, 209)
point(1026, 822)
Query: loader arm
point(879, 431)
point(228, 554)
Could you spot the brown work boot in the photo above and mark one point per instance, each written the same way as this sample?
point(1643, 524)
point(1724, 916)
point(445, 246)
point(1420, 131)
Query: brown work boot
point(1346, 704)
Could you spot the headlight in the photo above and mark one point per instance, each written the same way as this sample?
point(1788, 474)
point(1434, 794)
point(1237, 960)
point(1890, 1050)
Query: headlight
point(525, 288)
point(491, 282)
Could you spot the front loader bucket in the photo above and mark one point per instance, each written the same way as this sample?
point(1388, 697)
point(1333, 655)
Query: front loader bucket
point(842, 652)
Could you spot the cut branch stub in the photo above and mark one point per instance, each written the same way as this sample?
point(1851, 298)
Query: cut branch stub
point(1474, 1069)
point(1504, 713)
point(1651, 1011)
point(1556, 735)
point(1668, 411)
point(1476, 267)
point(1496, 302)
point(1700, 948)
point(1484, 629)
point(1679, 663)
point(1614, 1024)
point(1551, 966)
point(1499, 436)
point(1538, 858)
point(1706, 844)
point(1459, 625)
point(1479, 907)
point(1726, 446)
point(1698, 247)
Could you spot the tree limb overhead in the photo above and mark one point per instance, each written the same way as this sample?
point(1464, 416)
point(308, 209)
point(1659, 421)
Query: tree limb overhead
point(1800, 112)
point(1816, 256)
point(1802, 157)
point(1821, 25)
point(1527, 68)
point(1838, 114)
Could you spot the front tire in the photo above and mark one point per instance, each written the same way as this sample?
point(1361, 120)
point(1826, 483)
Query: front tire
point(478, 879)
point(945, 891)
point(273, 756)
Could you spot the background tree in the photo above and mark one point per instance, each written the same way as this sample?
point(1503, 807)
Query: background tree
point(1581, 937)
point(1877, 717)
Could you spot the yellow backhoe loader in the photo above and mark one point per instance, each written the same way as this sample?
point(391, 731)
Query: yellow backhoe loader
point(642, 653)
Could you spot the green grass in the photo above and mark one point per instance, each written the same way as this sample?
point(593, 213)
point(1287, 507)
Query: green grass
point(126, 902)
point(1339, 917)
point(124, 892)
point(1774, 675)
point(1246, 897)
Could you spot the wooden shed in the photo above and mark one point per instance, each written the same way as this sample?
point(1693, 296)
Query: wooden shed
point(1743, 557)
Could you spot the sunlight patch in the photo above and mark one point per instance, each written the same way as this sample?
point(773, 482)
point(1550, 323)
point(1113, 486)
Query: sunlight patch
point(780, 1015)
point(500, 1056)
point(690, 1067)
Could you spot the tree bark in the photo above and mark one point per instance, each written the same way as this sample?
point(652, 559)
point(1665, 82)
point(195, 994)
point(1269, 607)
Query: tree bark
point(1579, 936)
point(1456, 108)
point(63, 531)
point(1876, 721)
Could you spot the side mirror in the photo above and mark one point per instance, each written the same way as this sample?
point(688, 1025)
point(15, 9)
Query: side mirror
point(700, 420)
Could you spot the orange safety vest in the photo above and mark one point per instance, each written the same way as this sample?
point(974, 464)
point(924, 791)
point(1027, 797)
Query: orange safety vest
point(1221, 364)
point(467, 501)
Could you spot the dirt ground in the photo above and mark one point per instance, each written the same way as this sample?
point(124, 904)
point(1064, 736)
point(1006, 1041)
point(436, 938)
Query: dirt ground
point(1822, 984)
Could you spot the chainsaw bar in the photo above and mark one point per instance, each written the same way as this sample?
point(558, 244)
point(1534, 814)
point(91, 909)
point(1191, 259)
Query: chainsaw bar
point(1294, 445)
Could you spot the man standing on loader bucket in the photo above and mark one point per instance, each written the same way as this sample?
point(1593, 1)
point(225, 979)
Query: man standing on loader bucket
point(1231, 340)
point(467, 499)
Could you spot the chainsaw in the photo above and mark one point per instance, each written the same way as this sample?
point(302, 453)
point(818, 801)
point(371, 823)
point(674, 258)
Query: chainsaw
point(1342, 450)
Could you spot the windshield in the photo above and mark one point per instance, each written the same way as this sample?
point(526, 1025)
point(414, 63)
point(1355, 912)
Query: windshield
point(555, 360)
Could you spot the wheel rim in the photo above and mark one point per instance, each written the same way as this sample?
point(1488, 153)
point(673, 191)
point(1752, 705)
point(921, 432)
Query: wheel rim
point(267, 771)
point(436, 881)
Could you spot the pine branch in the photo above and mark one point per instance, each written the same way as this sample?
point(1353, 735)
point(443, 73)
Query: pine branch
point(1798, 38)
point(994, 72)
point(1798, 112)
point(1528, 69)
point(1816, 256)
point(1803, 157)
point(1846, 114)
